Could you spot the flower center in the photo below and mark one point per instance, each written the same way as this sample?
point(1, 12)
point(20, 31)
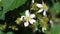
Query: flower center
point(44, 7)
point(27, 18)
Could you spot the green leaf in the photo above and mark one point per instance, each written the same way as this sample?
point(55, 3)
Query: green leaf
point(10, 5)
point(55, 9)
point(1, 32)
point(55, 29)
point(9, 32)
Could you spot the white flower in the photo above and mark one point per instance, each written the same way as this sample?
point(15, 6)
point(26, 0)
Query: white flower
point(42, 7)
point(28, 18)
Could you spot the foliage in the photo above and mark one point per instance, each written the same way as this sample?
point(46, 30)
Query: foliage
point(10, 5)
point(38, 17)
point(55, 9)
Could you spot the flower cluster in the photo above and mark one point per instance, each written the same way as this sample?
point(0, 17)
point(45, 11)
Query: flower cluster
point(29, 18)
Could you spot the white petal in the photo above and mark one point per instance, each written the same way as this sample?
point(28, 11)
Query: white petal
point(40, 10)
point(32, 1)
point(51, 22)
point(22, 17)
point(32, 21)
point(26, 24)
point(44, 13)
point(32, 15)
point(43, 29)
point(27, 13)
point(39, 5)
